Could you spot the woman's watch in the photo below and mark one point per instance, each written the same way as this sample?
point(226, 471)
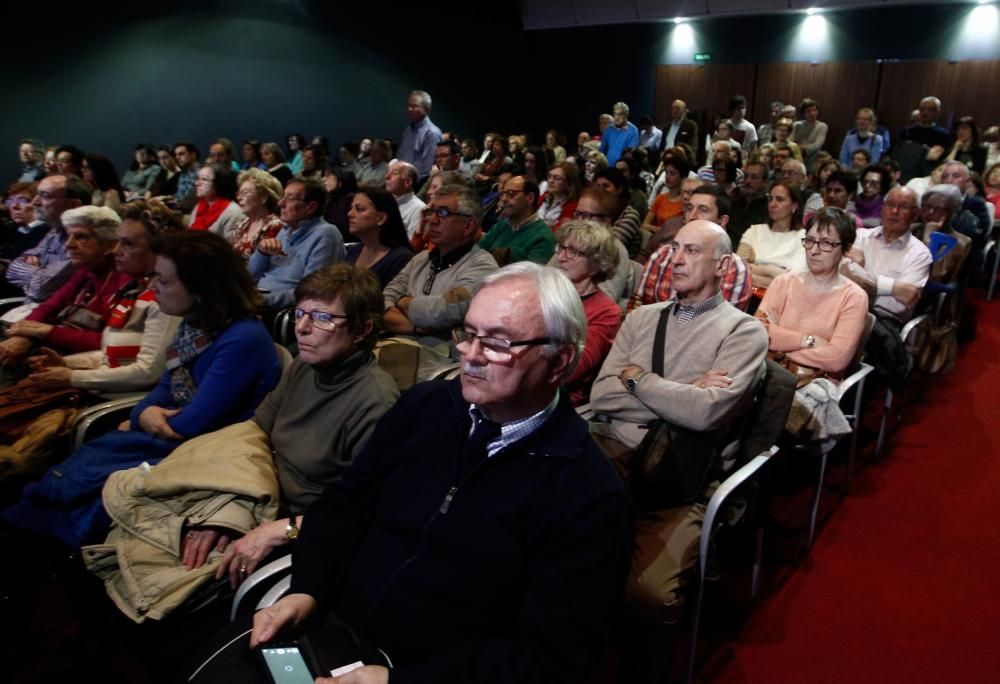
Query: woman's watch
point(292, 531)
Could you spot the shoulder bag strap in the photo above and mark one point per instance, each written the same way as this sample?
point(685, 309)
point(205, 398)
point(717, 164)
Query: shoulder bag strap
point(660, 340)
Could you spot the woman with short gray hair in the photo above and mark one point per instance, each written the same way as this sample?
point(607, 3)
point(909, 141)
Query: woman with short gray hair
point(73, 318)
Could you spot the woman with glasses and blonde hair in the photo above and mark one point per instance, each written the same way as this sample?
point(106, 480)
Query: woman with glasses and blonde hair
point(587, 252)
point(258, 196)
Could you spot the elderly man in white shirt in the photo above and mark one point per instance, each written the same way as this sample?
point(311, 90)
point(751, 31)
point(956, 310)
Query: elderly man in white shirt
point(400, 180)
point(889, 262)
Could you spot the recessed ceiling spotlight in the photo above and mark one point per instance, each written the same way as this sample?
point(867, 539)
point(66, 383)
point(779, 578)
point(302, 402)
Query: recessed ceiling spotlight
point(811, 11)
point(679, 20)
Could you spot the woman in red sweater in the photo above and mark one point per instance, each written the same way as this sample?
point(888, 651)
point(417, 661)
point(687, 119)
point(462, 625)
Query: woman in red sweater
point(587, 253)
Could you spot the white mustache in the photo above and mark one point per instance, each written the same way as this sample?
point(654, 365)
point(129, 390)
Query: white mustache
point(474, 370)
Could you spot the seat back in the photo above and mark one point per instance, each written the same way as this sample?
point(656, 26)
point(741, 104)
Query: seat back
point(860, 351)
point(911, 156)
point(766, 419)
point(283, 328)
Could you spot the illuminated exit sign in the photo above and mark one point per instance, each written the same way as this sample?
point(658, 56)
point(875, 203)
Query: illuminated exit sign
point(702, 57)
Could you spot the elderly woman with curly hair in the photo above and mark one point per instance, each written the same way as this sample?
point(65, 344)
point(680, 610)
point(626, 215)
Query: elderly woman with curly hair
point(587, 252)
point(258, 197)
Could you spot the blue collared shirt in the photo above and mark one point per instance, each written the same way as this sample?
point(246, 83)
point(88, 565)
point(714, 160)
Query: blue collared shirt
point(614, 141)
point(310, 247)
point(515, 430)
point(54, 267)
point(185, 183)
point(651, 140)
point(418, 143)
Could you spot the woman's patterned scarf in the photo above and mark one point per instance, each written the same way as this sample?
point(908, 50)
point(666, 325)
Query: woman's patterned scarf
point(187, 345)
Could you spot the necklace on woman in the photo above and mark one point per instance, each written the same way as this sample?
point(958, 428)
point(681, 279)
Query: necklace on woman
point(367, 257)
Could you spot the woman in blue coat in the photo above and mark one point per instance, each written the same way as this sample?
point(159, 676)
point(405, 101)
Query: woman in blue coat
point(219, 366)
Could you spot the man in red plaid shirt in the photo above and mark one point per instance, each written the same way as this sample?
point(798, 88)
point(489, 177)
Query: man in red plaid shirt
point(710, 203)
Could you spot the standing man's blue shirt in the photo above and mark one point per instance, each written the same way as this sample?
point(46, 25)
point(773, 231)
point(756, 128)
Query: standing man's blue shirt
point(310, 247)
point(614, 141)
point(418, 143)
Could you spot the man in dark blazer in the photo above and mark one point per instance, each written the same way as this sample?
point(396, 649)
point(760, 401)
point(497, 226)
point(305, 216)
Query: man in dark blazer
point(680, 129)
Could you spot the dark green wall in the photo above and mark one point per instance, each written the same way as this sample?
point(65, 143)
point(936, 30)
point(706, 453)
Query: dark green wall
point(109, 78)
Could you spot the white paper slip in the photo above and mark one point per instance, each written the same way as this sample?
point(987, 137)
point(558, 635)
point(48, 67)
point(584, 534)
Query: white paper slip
point(346, 668)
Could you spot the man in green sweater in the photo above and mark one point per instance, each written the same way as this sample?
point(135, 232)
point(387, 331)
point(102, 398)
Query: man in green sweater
point(519, 235)
point(714, 356)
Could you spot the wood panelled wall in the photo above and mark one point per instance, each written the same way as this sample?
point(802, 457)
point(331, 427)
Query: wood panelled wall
point(840, 88)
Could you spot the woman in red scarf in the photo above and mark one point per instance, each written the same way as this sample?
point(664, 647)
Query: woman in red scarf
point(217, 209)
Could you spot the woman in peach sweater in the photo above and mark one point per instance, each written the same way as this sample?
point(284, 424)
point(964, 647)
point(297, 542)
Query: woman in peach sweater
point(817, 317)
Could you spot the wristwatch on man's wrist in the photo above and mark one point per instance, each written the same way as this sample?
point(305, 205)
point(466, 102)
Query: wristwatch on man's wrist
point(632, 381)
point(810, 341)
point(292, 531)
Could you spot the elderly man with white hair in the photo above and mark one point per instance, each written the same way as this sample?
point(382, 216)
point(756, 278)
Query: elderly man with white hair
point(480, 536)
point(619, 135)
point(974, 218)
point(419, 139)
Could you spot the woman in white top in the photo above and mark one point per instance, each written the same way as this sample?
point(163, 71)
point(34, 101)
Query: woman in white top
point(775, 248)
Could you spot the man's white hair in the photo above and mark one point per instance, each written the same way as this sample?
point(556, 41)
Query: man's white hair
point(424, 96)
point(562, 308)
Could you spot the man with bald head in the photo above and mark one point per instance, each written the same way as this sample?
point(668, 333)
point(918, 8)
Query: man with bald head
point(713, 358)
point(401, 181)
point(681, 128)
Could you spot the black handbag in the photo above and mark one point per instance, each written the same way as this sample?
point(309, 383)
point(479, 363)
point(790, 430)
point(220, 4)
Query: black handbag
point(672, 464)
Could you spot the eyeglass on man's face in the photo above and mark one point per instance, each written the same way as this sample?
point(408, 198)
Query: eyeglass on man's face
point(323, 320)
point(824, 245)
point(509, 194)
point(442, 213)
point(495, 349)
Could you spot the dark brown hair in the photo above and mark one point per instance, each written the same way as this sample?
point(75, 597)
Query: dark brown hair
point(215, 274)
point(359, 291)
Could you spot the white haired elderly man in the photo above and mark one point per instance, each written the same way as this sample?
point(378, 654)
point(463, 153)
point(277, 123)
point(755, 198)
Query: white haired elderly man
point(974, 218)
point(419, 139)
point(481, 536)
point(619, 135)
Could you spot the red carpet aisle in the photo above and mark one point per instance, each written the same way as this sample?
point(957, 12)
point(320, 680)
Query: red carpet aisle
point(903, 583)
